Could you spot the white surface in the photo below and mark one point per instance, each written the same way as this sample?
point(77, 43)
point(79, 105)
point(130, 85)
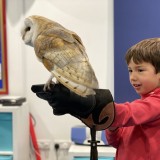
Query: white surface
point(83, 151)
point(20, 122)
point(6, 153)
point(8, 97)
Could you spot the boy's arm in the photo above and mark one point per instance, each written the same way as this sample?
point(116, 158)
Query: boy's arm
point(113, 136)
point(112, 129)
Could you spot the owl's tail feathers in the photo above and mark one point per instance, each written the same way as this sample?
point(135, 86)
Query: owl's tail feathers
point(79, 89)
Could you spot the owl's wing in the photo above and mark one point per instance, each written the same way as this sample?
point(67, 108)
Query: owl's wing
point(68, 36)
point(65, 57)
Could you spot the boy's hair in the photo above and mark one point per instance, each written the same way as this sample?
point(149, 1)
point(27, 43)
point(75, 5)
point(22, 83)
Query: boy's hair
point(147, 50)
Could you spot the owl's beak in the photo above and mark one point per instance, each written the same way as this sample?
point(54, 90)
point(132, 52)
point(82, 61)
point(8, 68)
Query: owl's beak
point(22, 37)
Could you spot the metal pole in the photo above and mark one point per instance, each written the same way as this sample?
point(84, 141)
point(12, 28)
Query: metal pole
point(93, 142)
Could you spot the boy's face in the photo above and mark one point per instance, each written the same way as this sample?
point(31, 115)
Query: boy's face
point(143, 77)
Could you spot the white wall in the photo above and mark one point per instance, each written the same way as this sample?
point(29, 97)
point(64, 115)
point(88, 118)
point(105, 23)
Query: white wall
point(92, 20)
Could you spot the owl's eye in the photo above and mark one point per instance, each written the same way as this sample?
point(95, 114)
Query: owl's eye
point(27, 29)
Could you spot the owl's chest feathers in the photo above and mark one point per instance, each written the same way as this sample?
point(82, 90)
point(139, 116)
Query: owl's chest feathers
point(51, 52)
point(48, 64)
point(48, 58)
point(45, 44)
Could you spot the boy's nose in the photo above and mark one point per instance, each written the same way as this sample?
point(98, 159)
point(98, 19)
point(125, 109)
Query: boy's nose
point(133, 76)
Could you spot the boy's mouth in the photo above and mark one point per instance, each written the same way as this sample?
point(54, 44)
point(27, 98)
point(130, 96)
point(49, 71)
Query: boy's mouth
point(136, 85)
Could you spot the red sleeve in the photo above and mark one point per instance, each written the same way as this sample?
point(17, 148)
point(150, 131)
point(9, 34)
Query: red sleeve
point(137, 112)
point(113, 137)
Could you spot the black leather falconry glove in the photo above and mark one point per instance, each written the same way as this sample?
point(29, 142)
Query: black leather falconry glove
point(93, 110)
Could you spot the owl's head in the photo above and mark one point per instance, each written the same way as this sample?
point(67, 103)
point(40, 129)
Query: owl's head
point(35, 25)
point(28, 31)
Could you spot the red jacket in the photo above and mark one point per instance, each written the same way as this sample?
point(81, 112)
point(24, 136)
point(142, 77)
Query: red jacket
point(138, 137)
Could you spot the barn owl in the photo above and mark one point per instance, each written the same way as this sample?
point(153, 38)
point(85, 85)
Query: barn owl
point(62, 53)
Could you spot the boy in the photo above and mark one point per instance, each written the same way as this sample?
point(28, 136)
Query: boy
point(132, 128)
point(138, 136)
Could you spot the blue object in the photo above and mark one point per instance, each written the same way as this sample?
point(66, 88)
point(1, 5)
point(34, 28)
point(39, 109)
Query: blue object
point(103, 137)
point(88, 158)
point(134, 20)
point(81, 135)
point(6, 157)
point(6, 132)
point(78, 134)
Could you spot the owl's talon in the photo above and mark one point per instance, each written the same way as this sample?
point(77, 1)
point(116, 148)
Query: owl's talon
point(47, 86)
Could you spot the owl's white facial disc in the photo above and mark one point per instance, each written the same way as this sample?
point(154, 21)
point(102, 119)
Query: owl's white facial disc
point(27, 32)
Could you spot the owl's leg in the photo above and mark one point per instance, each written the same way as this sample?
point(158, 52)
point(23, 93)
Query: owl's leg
point(48, 83)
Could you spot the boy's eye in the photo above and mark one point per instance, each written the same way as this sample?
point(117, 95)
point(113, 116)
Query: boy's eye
point(129, 70)
point(140, 70)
